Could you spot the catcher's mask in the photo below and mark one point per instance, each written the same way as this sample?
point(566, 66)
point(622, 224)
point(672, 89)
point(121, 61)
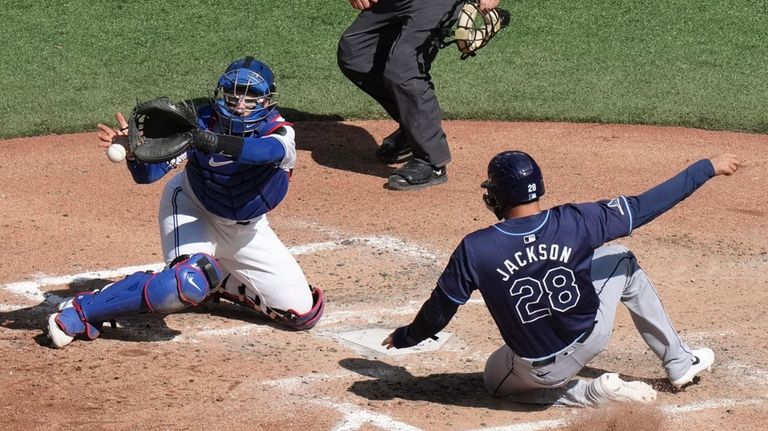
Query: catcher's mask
point(473, 28)
point(513, 178)
point(244, 96)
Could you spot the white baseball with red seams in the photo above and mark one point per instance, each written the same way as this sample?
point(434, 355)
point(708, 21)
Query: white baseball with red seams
point(116, 153)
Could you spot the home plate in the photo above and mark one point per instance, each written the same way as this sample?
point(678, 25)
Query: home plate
point(372, 338)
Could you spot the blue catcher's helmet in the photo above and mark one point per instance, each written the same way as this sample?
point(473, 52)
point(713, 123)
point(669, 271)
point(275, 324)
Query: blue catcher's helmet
point(513, 178)
point(244, 96)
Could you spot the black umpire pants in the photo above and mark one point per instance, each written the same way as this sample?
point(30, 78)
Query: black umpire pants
point(388, 52)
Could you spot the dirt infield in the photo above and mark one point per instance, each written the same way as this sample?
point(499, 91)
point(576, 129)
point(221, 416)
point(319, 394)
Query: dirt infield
point(71, 221)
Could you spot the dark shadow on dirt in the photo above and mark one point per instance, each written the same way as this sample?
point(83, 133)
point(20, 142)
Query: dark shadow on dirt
point(230, 310)
point(340, 146)
point(460, 389)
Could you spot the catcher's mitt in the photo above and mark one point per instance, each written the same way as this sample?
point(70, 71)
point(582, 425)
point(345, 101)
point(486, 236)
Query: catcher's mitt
point(474, 28)
point(160, 130)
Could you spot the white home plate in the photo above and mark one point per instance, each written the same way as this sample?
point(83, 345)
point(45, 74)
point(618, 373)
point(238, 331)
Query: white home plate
point(372, 338)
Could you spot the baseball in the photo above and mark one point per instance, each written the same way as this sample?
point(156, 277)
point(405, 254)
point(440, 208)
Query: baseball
point(116, 153)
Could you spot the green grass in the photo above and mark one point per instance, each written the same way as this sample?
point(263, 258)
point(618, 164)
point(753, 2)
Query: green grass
point(67, 65)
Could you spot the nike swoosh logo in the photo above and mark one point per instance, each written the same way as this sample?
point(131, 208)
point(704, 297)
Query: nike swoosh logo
point(215, 164)
point(192, 282)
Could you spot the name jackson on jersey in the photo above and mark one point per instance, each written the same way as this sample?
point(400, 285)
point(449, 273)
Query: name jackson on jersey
point(533, 253)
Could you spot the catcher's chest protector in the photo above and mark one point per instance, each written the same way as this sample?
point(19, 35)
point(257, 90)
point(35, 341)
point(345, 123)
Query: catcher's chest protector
point(234, 190)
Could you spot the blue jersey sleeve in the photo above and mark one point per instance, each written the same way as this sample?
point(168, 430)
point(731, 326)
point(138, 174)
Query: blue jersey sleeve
point(458, 279)
point(263, 150)
point(146, 173)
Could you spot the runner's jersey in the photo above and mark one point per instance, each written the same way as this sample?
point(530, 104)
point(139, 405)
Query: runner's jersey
point(534, 273)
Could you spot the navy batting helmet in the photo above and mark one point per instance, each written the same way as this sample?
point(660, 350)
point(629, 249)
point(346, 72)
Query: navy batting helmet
point(244, 96)
point(513, 178)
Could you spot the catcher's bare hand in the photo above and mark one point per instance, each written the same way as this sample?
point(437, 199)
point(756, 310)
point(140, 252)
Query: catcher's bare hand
point(108, 136)
point(725, 164)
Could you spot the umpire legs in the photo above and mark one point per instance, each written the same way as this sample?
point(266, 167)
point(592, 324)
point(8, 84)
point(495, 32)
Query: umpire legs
point(363, 51)
point(388, 52)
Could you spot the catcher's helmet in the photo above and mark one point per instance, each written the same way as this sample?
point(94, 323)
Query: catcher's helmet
point(513, 178)
point(244, 96)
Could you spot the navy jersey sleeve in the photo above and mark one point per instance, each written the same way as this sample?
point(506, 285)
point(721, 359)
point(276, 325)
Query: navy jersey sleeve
point(605, 220)
point(458, 279)
point(610, 219)
point(661, 198)
point(433, 316)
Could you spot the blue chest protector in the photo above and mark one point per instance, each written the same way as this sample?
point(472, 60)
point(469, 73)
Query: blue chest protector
point(240, 188)
point(237, 189)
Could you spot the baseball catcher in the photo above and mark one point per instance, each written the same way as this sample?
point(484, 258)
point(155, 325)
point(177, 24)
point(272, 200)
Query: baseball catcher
point(474, 28)
point(239, 153)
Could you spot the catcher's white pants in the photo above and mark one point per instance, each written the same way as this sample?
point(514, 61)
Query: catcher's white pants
point(252, 254)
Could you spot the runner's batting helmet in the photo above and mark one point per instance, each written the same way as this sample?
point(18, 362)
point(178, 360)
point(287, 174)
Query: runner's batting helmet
point(513, 178)
point(244, 96)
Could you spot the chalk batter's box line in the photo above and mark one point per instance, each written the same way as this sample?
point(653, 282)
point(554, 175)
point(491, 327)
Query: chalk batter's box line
point(31, 289)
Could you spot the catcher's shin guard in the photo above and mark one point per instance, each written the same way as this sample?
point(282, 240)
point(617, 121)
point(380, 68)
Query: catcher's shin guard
point(187, 282)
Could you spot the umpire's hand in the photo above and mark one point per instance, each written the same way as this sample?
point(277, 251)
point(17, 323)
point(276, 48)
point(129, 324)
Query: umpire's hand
point(362, 4)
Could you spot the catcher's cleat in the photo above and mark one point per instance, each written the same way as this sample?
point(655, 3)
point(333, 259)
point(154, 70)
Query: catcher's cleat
point(610, 387)
point(65, 304)
point(417, 174)
point(394, 148)
point(703, 360)
point(56, 335)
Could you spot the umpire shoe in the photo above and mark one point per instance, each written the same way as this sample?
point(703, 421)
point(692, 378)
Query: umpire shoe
point(702, 360)
point(394, 148)
point(417, 174)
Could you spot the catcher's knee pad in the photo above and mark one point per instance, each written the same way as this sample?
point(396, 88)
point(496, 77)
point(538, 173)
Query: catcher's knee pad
point(289, 318)
point(187, 282)
point(300, 322)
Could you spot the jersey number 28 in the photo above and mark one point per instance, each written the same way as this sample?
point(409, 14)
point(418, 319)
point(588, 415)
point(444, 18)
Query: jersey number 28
point(537, 298)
